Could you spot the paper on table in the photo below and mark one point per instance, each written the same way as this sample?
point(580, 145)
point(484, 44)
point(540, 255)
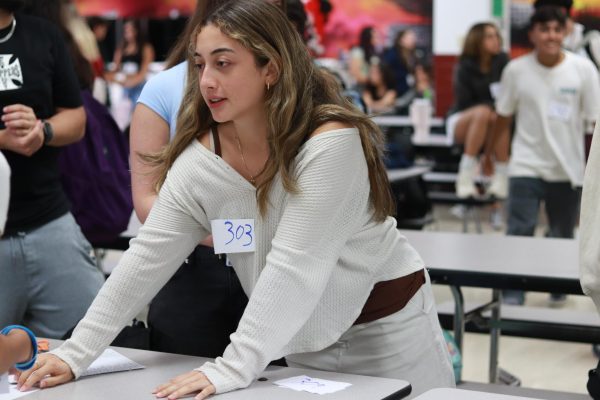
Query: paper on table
point(312, 385)
point(111, 361)
point(9, 391)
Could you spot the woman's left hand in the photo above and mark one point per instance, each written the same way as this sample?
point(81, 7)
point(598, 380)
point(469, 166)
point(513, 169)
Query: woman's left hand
point(182, 385)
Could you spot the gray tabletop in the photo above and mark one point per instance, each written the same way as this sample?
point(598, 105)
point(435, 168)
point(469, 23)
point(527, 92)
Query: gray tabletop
point(160, 367)
point(403, 120)
point(400, 174)
point(458, 394)
point(498, 261)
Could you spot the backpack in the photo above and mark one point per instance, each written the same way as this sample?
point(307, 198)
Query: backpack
point(95, 175)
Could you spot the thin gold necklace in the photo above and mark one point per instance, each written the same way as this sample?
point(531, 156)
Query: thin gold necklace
point(239, 143)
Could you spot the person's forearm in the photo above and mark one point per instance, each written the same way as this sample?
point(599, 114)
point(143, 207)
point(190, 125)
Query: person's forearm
point(2, 138)
point(14, 348)
point(68, 125)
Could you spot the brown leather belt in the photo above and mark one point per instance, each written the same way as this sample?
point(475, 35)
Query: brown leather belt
point(389, 297)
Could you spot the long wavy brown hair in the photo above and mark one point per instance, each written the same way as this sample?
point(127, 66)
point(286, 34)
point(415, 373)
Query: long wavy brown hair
point(473, 45)
point(302, 99)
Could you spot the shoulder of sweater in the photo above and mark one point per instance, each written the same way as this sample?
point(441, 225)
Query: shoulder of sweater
point(193, 163)
point(328, 139)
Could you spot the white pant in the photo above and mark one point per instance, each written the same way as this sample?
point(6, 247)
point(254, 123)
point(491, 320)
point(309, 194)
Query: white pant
point(407, 345)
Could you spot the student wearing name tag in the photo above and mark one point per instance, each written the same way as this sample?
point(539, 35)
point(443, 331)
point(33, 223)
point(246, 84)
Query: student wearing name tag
point(270, 153)
point(553, 94)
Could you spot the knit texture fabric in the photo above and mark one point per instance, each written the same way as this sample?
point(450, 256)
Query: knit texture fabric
point(589, 224)
point(318, 255)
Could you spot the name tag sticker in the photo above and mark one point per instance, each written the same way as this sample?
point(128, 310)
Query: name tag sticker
point(495, 90)
point(233, 235)
point(559, 111)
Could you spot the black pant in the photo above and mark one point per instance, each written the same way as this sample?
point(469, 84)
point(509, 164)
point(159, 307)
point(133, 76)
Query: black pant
point(197, 310)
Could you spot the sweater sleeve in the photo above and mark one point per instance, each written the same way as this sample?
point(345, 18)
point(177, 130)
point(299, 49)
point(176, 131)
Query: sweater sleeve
point(463, 90)
point(162, 244)
point(316, 223)
point(589, 237)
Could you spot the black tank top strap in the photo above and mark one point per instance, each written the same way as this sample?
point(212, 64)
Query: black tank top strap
point(217, 141)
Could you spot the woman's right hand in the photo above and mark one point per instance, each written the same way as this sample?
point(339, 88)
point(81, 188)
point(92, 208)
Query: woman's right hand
point(49, 370)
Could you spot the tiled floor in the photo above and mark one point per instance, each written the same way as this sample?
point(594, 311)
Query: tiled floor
point(540, 364)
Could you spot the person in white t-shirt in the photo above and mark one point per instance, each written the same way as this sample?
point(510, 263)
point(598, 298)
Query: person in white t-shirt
point(4, 191)
point(553, 93)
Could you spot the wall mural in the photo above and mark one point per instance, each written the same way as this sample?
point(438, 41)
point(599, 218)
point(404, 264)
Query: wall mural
point(387, 16)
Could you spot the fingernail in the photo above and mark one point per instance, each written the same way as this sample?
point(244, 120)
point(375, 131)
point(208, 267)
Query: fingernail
point(42, 384)
point(23, 388)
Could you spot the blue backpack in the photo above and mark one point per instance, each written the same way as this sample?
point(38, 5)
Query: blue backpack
point(95, 175)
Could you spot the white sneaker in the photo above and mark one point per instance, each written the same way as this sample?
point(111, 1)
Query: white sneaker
point(499, 186)
point(465, 183)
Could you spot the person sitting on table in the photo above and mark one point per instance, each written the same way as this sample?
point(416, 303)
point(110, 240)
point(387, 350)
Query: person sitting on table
point(379, 94)
point(132, 61)
point(268, 150)
point(471, 119)
point(18, 348)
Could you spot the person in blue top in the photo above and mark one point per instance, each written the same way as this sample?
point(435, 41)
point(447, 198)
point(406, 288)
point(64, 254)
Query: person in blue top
point(199, 308)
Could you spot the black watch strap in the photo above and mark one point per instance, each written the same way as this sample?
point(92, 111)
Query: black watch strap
point(48, 132)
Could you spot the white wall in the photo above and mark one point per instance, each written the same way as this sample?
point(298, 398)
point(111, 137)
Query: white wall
point(451, 21)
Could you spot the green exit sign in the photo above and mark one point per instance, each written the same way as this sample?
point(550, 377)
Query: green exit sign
point(498, 8)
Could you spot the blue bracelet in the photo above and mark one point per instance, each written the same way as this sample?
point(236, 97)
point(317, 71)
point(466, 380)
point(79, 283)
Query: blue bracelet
point(28, 364)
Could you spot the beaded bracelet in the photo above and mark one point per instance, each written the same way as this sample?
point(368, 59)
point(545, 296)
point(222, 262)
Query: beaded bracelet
point(28, 364)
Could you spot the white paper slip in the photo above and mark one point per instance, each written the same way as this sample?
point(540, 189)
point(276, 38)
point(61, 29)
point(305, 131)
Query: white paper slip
point(305, 383)
point(233, 235)
point(111, 361)
point(9, 391)
point(559, 111)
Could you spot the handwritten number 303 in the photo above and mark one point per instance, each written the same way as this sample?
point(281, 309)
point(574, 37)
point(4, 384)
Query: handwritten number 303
point(240, 232)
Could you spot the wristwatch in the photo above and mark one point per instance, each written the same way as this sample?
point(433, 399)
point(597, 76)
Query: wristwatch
point(48, 132)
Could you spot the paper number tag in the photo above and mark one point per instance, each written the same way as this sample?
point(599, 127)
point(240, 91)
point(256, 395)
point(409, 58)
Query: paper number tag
point(559, 111)
point(233, 235)
point(495, 90)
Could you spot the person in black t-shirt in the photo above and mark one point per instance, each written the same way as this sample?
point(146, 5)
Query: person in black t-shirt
point(49, 276)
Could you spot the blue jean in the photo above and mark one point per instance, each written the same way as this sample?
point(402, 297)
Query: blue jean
point(525, 195)
point(48, 277)
point(133, 93)
point(561, 200)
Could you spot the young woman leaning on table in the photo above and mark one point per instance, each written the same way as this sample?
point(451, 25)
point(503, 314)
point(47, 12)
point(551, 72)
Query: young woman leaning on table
point(289, 179)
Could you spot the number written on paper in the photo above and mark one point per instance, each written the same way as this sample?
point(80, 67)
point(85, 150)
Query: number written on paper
point(233, 235)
